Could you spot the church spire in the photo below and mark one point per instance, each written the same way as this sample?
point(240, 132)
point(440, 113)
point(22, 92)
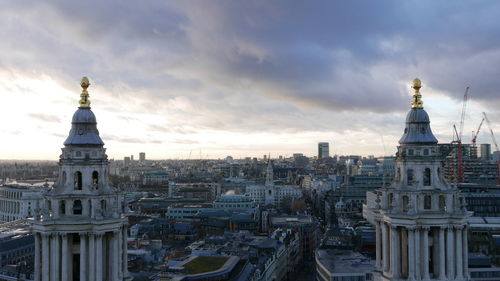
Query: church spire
point(269, 174)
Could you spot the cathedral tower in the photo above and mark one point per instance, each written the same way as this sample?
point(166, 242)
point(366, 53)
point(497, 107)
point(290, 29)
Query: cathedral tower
point(80, 231)
point(420, 220)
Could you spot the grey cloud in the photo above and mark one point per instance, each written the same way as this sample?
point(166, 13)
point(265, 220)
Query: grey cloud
point(45, 117)
point(106, 137)
point(257, 65)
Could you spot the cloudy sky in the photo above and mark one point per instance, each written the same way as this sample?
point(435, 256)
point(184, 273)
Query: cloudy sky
point(243, 78)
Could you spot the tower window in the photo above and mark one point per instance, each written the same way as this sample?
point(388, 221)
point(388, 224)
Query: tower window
point(63, 178)
point(77, 207)
point(426, 152)
point(95, 177)
point(427, 177)
point(409, 176)
point(78, 180)
point(405, 204)
point(427, 202)
point(62, 207)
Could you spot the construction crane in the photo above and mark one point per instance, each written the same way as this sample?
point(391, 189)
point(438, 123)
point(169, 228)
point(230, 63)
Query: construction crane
point(494, 142)
point(474, 138)
point(458, 141)
point(491, 131)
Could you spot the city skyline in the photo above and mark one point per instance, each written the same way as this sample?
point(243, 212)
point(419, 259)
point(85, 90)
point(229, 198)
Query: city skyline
point(175, 79)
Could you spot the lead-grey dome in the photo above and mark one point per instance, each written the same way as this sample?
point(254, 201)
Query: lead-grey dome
point(418, 129)
point(84, 129)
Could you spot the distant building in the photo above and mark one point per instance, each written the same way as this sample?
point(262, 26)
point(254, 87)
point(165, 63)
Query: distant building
point(486, 151)
point(234, 201)
point(126, 160)
point(306, 225)
point(142, 157)
point(16, 243)
point(19, 201)
point(270, 194)
point(323, 150)
point(155, 177)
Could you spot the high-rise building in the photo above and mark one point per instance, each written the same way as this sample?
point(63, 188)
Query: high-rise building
point(323, 150)
point(486, 151)
point(142, 156)
point(80, 233)
point(420, 220)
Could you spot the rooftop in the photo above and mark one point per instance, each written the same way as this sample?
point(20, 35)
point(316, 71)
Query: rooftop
point(344, 262)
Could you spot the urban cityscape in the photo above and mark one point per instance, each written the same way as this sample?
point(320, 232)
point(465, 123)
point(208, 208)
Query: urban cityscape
point(414, 197)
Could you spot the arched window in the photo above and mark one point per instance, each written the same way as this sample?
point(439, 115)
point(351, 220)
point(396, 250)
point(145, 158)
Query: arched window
point(398, 175)
point(391, 198)
point(62, 207)
point(78, 180)
point(103, 207)
point(427, 202)
point(63, 178)
point(427, 177)
point(77, 207)
point(405, 204)
point(409, 176)
point(78, 154)
point(95, 177)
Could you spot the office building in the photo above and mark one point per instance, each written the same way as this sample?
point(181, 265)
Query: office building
point(323, 150)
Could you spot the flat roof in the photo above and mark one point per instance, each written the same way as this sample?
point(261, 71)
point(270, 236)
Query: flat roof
point(344, 262)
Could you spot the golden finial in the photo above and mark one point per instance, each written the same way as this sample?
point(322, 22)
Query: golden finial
point(84, 96)
point(417, 97)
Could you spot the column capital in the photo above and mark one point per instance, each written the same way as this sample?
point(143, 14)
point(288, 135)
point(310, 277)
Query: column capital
point(411, 228)
point(426, 227)
point(458, 227)
point(99, 234)
point(394, 227)
point(83, 233)
point(64, 235)
point(443, 227)
point(45, 235)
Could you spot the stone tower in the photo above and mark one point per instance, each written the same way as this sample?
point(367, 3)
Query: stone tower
point(420, 220)
point(80, 232)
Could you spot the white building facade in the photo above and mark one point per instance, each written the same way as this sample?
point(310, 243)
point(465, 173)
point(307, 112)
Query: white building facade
point(80, 233)
point(19, 201)
point(420, 220)
point(270, 194)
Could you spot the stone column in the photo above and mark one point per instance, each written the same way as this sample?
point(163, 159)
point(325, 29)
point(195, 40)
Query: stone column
point(124, 249)
point(459, 255)
point(425, 246)
point(385, 247)
point(450, 253)
point(83, 257)
point(442, 259)
point(37, 257)
point(418, 251)
point(65, 257)
point(114, 256)
point(92, 257)
point(395, 252)
point(378, 245)
point(120, 254)
point(98, 257)
point(411, 253)
point(45, 256)
point(465, 252)
point(56, 257)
